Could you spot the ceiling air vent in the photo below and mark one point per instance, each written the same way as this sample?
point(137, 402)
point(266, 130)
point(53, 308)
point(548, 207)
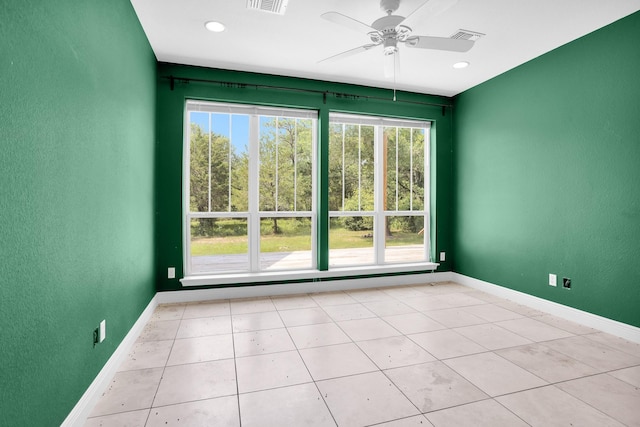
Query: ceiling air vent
point(466, 35)
point(271, 6)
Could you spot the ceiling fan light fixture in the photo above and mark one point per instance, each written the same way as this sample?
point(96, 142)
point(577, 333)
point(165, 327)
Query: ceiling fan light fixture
point(460, 65)
point(390, 46)
point(214, 26)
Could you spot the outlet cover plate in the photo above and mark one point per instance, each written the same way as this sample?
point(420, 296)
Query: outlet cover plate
point(443, 256)
point(102, 333)
point(171, 273)
point(553, 280)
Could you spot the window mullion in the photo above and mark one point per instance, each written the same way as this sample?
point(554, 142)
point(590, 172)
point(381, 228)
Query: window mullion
point(410, 169)
point(427, 194)
point(275, 202)
point(209, 168)
point(378, 195)
point(253, 192)
point(397, 157)
point(229, 161)
point(314, 195)
point(295, 166)
point(343, 168)
point(359, 167)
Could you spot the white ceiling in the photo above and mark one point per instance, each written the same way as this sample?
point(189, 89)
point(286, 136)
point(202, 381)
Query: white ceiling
point(292, 44)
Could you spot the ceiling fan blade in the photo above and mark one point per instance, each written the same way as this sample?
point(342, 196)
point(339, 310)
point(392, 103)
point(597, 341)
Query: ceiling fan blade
point(346, 21)
point(428, 10)
point(348, 53)
point(439, 43)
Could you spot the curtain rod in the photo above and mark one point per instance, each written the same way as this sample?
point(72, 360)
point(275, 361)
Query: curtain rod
point(172, 79)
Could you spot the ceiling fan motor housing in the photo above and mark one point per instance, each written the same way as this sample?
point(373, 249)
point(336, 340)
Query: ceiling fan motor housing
point(389, 22)
point(389, 31)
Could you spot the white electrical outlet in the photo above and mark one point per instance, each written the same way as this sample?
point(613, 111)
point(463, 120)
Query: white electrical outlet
point(553, 280)
point(443, 256)
point(171, 273)
point(102, 334)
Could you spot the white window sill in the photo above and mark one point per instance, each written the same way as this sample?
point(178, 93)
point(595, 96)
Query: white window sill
point(276, 276)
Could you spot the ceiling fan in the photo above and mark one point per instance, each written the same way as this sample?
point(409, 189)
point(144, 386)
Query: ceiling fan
point(390, 30)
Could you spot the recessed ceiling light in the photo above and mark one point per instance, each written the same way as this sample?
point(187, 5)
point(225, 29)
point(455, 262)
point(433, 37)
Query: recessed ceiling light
point(216, 27)
point(463, 64)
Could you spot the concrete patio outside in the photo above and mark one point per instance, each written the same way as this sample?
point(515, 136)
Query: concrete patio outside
point(273, 261)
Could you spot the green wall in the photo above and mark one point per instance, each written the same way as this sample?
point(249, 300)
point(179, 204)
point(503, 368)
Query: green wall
point(542, 179)
point(170, 149)
point(547, 175)
point(77, 123)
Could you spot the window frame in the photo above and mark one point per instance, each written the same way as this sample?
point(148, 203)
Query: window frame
point(253, 215)
point(380, 213)
point(315, 272)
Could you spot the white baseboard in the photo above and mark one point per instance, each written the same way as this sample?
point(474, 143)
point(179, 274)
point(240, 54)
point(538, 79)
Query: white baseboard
point(78, 416)
point(193, 295)
point(613, 327)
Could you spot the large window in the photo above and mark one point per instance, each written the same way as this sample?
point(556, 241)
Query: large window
point(251, 189)
point(251, 193)
point(378, 188)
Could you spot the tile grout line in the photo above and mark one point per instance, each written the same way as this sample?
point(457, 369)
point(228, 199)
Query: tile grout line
point(614, 417)
point(392, 382)
point(516, 415)
point(376, 365)
point(559, 389)
point(307, 368)
point(235, 367)
point(494, 352)
point(404, 366)
point(499, 395)
point(173, 341)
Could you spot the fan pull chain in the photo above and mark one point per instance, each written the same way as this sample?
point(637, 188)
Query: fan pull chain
point(395, 57)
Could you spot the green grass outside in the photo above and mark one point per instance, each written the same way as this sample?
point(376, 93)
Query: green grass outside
point(339, 238)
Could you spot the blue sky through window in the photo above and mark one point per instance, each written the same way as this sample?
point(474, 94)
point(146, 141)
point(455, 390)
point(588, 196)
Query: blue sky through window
point(237, 128)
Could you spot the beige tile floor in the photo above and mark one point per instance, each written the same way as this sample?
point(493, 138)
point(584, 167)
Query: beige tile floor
point(437, 354)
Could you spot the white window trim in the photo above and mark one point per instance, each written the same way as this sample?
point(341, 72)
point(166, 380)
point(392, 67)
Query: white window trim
point(279, 276)
point(245, 277)
point(252, 215)
point(379, 213)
